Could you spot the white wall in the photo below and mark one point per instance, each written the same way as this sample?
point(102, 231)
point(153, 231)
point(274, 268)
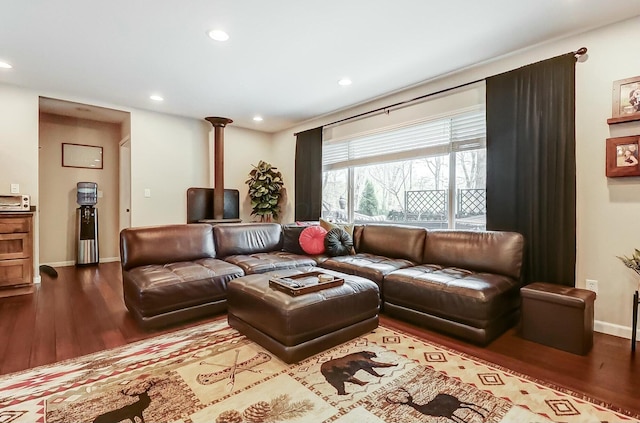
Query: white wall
point(168, 155)
point(19, 148)
point(607, 209)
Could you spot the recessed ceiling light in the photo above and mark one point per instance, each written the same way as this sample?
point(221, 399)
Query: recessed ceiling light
point(5, 65)
point(344, 82)
point(258, 119)
point(156, 98)
point(218, 35)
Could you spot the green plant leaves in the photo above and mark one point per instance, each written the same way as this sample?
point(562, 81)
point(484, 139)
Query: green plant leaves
point(265, 186)
point(632, 262)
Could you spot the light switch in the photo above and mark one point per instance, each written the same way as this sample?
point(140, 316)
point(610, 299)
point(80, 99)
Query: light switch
point(147, 192)
point(15, 188)
point(99, 194)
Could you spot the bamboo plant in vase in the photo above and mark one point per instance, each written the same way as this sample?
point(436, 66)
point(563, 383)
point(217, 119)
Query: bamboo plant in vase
point(633, 263)
point(265, 189)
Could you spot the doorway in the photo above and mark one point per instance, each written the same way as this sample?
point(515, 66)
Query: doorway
point(75, 123)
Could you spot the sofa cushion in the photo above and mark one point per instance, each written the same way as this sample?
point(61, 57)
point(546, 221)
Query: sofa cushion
point(392, 241)
point(155, 289)
point(265, 262)
point(488, 251)
point(312, 239)
point(337, 242)
point(366, 265)
point(452, 293)
point(247, 238)
point(291, 239)
point(165, 244)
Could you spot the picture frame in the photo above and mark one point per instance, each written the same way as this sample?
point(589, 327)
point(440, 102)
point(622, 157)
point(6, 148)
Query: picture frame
point(626, 98)
point(81, 156)
point(622, 156)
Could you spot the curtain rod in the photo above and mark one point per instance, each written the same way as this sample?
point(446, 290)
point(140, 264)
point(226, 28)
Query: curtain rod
point(581, 51)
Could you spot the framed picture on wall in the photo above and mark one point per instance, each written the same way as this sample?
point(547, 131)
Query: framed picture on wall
point(626, 98)
point(622, 156)
point(79, 155)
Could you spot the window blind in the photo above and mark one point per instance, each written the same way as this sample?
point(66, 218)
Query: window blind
point(456, 132)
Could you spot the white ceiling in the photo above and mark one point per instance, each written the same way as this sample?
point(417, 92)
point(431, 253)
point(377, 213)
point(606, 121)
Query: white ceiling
point(283, 58)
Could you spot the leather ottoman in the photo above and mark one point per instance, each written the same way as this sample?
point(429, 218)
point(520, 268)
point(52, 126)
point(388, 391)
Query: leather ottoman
point(558, 316)
point(296, 327)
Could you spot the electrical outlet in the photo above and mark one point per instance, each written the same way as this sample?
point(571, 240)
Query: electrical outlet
point(592, 285)
point(15, 188)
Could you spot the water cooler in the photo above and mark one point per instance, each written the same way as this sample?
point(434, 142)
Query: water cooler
point(87, 223)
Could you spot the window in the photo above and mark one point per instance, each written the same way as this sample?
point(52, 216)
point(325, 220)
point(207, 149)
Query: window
point(430, 174)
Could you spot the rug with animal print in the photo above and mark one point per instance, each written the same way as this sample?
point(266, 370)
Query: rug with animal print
point(212, 373)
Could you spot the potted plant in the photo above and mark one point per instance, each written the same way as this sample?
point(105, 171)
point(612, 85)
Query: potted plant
point(265, 187)
point(632, 262)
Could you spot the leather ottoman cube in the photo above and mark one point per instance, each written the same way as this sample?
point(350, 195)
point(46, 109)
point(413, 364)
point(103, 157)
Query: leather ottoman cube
point(296, 327)
point(558, 316)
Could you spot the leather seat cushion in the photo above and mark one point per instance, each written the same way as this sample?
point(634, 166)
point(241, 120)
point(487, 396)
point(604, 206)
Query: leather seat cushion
point(156, 289)
point(292, 320)
point(368, 266)
point(452, 293)
point(266, 262)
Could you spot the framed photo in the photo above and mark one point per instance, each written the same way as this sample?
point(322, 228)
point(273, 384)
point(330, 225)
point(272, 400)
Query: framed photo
point(622, 156)
point(80, 155)
point(626, 97)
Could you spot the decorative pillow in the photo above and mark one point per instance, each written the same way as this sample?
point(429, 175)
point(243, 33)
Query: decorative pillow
point(312, 239)
point(348, 227)
point(291, 239)
point(337, 242)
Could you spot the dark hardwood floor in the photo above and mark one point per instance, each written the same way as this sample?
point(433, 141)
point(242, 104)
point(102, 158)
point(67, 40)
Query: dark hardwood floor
point(82, 312)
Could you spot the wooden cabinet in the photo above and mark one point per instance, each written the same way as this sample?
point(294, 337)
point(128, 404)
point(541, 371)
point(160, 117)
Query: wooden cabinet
point(16, 253)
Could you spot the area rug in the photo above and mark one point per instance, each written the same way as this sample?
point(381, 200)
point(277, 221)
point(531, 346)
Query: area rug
point(211, 373)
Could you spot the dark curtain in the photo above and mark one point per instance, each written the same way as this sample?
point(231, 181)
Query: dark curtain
point(531, 169)
point(308, 175)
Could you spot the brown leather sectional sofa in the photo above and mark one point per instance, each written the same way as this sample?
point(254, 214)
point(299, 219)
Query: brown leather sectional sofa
point(462, 283)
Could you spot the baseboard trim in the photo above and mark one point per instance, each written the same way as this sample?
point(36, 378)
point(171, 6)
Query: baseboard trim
point(613, 329)
point(60, 263)
point(73, 263)
point(109, 259)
